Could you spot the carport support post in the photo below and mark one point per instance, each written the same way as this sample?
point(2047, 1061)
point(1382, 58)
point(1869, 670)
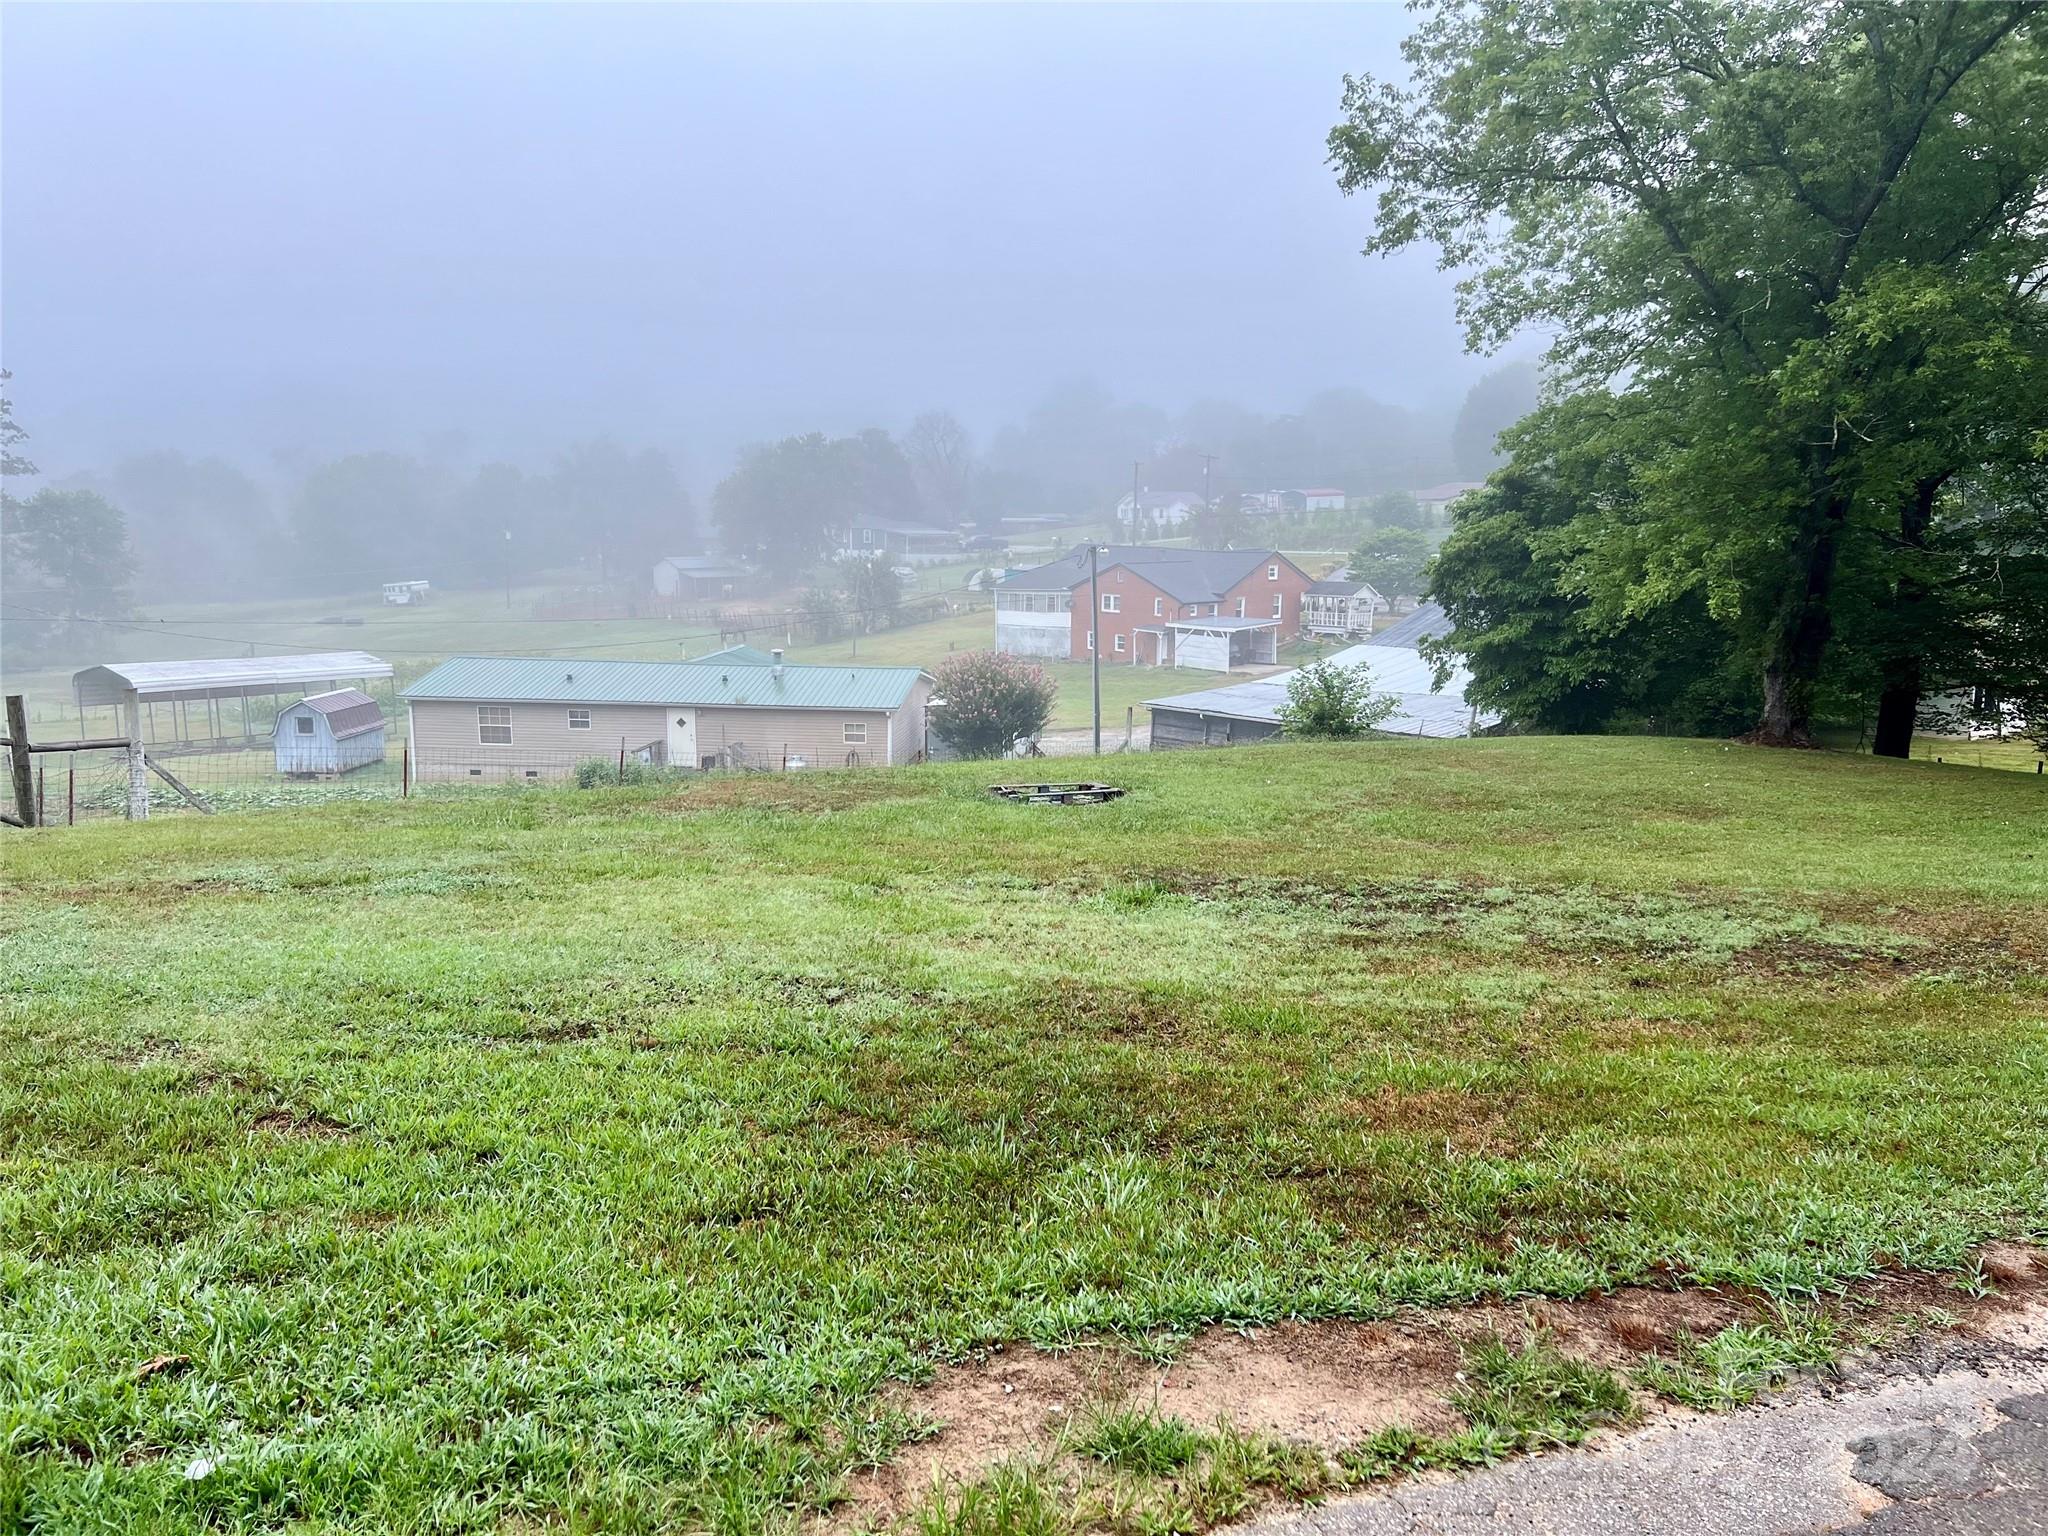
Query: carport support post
point(138, 771)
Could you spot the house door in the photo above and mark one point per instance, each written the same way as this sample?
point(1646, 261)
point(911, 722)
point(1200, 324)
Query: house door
point(682, 738)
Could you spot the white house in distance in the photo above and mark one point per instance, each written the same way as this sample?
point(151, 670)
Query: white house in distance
point(1436, 500)
point(1326, 498)
point(1169, 509)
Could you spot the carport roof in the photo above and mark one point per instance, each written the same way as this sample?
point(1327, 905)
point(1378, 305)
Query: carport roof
point(222, 677)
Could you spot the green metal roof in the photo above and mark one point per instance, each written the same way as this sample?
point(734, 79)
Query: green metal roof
point(743, 655)
point(551, 680)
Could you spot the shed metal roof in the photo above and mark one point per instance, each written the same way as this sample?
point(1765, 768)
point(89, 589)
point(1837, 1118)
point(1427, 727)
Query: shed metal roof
point(1402, 671)
point(1428, 622)
point(551, 680)
point(221, 678)
point(348, 711)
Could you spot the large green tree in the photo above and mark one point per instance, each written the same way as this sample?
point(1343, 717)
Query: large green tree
point(1754, 224)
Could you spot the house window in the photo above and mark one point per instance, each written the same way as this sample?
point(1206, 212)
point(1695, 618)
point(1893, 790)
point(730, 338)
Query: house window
point(476, 773)
point(1090, 637)
point(533, 773)
point(1212, 610)
point(1158, 607)
point(579, 719)
point(494, 724)
point(1240, 607)
point(1119, 642)
point(305, 726)
point(1279, 605)
point(1112, 602)
point(867, 535)
point(1272, 573)
point(854, 733)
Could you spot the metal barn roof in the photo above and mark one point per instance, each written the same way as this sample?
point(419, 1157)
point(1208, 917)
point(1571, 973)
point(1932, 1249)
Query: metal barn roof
point(546, 680)
point(1428, 622)
point(1402, 671)
point(223, 678)
point(349, 711)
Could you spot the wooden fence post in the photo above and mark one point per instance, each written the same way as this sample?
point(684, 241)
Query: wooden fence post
point(138, 772)
point(24, 780)
point(405, 772)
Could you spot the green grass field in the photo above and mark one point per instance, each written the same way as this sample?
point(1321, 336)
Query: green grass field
point(587, 1161)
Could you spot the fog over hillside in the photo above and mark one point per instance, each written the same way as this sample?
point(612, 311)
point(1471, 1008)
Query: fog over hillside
point(277, 235)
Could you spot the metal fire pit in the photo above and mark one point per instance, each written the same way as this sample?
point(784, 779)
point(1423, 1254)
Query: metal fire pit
point(1056, 794)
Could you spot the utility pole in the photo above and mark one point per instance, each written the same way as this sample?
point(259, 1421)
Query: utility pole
point(1095, 636)
point(508, 570)
point(1137, 505)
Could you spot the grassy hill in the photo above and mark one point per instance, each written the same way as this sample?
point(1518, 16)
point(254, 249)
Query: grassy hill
point(591, 1160)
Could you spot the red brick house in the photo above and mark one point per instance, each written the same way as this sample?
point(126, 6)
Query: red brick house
point(1208, 608)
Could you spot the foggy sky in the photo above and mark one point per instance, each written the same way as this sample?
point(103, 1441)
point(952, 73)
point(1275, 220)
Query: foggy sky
point(279, 232)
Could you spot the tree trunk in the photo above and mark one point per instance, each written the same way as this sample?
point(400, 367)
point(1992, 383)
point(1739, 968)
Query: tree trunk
point(1805, 625)
point(1898, 706)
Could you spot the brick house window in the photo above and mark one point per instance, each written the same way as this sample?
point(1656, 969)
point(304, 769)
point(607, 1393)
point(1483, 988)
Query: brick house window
point(579, 719)
point(1272, 573)
point(1091, 639)
point(1240, 607)
point(1279, 605)
point(1158, 607)
point(494, 724)
point(1112, 602)
point(1119, 642)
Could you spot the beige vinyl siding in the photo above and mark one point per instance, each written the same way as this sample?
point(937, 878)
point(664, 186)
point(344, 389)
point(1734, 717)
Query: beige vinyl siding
point(771, 736)
point(445, 744)
point(906, 727)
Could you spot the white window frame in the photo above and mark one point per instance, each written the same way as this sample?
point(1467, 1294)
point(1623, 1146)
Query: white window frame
point(1240, 607)
point(1119, 642)
point(305, 724)
point(1279, 605)
point(1090, 638)
point(579, 725)
point(1272, 573)
point(1112, 602)
point(497, 724)
point(1158, 607)
point(853, 733)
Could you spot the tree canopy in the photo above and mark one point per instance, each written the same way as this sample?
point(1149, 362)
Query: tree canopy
point(1795, 253)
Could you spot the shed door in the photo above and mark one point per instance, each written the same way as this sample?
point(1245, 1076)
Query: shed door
point(682, 738)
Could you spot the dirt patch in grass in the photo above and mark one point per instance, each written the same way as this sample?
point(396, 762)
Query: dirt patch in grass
point(301, 1125)
point(802, 793)
point(1335, 1384)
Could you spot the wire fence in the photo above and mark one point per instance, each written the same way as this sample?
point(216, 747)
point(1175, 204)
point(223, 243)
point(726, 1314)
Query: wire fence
point(72, 788)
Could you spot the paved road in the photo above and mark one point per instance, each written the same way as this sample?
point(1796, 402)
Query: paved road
point(1958, 1448)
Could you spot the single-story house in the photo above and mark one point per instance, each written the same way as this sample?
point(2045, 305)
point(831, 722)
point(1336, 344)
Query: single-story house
point(1216, 717)
point(1169, 509)
point(1436, 500)
point(1340, 605)
point(534, 717)
point(1283, 502)
point(697, 576)
point(902, 541)
point(325, 735)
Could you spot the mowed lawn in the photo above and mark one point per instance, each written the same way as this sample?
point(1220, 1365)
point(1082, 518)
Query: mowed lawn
point(560, 1160)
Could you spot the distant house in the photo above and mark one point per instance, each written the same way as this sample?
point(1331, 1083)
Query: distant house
point(325, 735)
point(535, 718)
point(902, 541)
point(1250, 711)
point(1436, 500)
point(1340, 605)
point(1168, 509)
point(403, 594)
point(697, 576)
point(1208, 608)
point(1323, 499)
